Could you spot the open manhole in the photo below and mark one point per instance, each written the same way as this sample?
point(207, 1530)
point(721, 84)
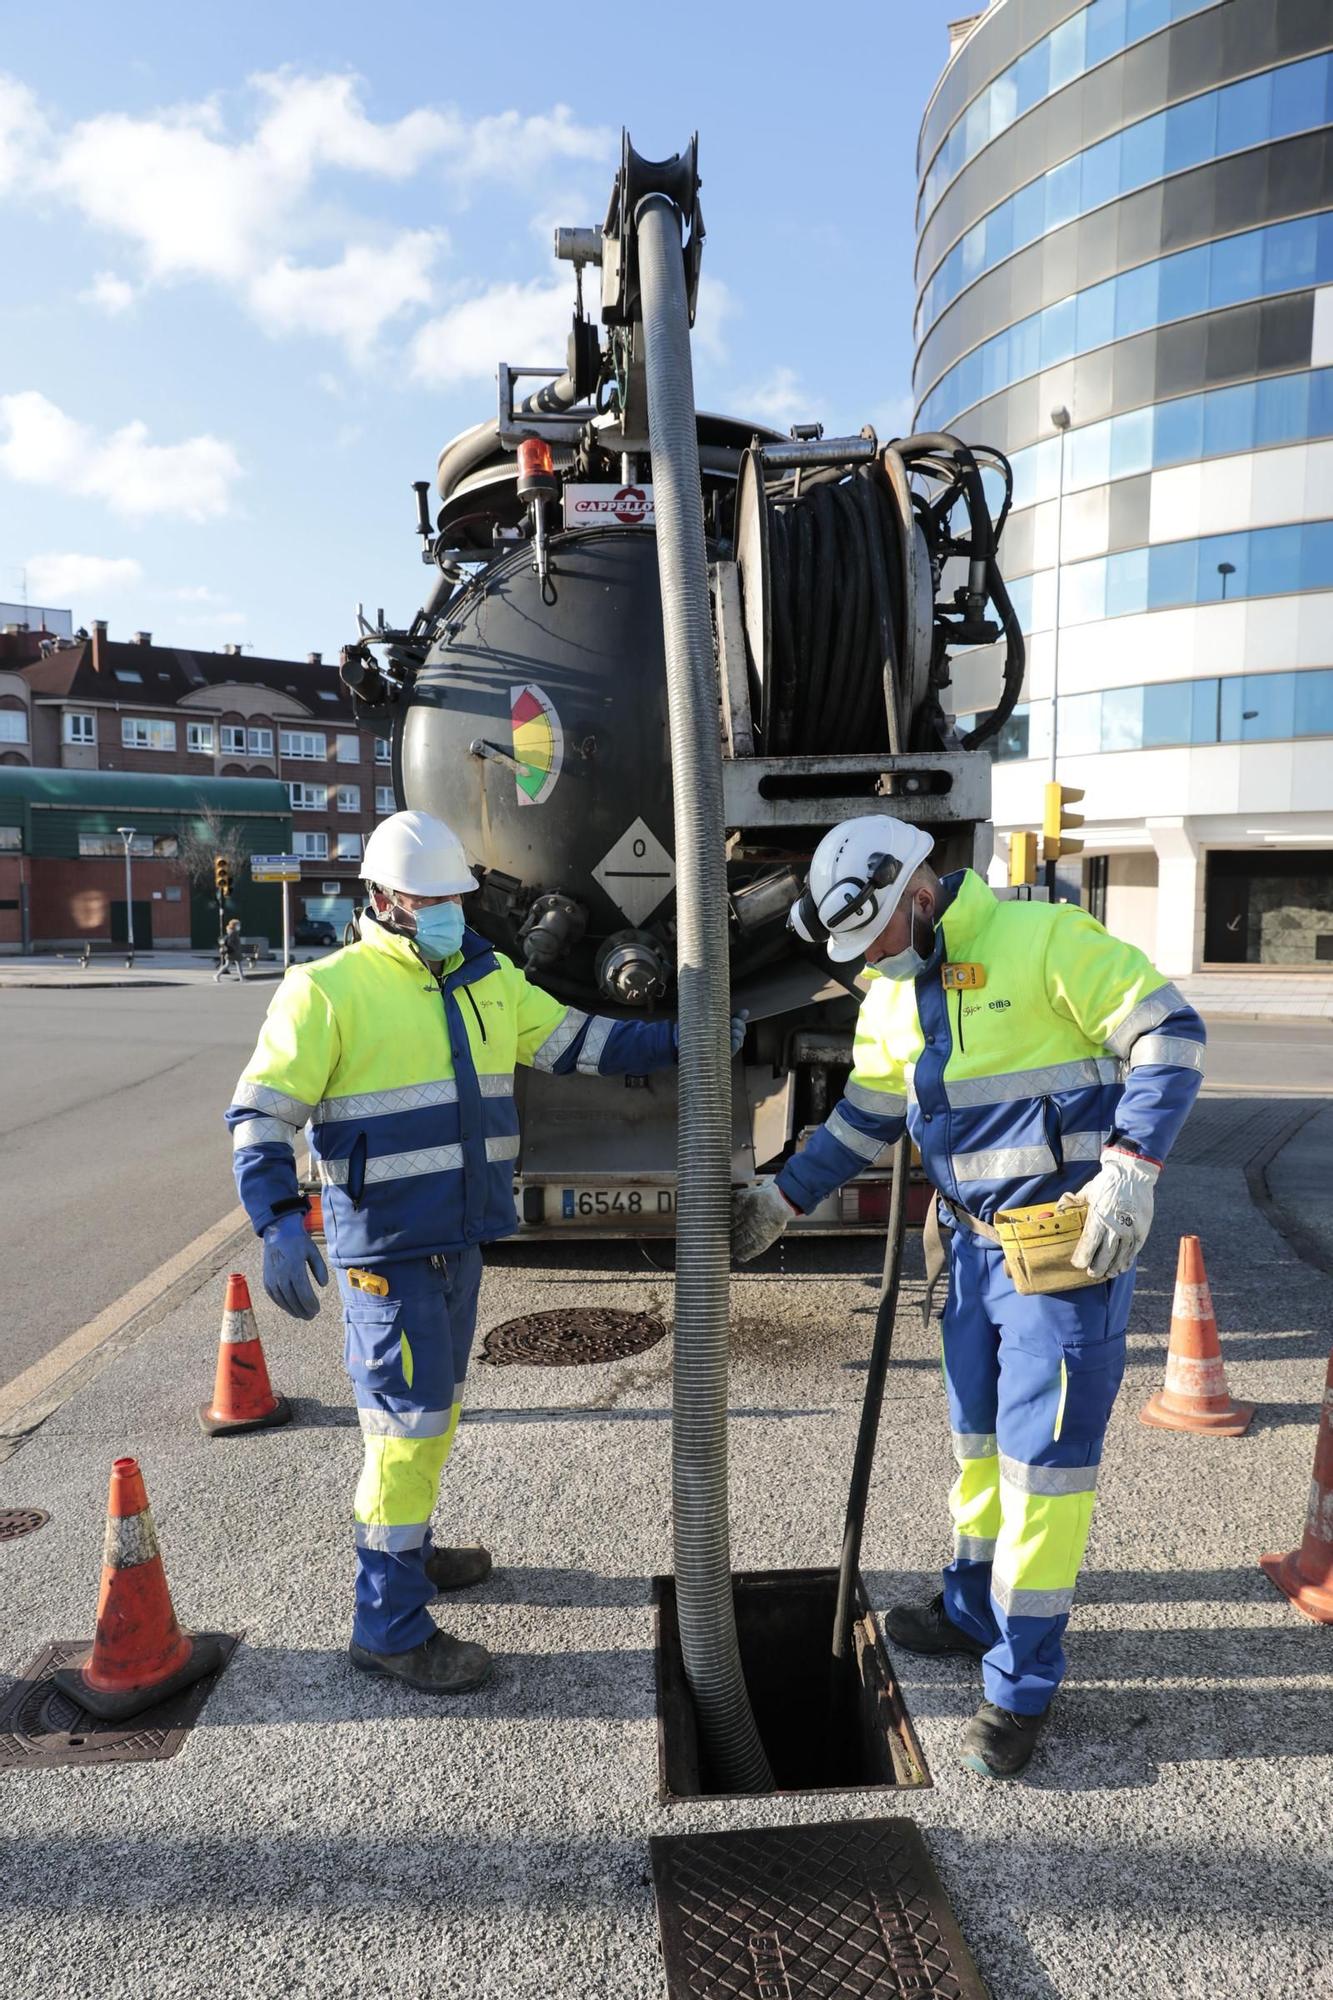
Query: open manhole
point(571, 1338)
point(854, 1736)
point(794, 1912)
point(41, 1725)
point(16, 1521)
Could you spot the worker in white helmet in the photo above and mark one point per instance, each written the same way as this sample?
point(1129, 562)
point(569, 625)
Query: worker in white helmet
point(399, 1053)
point(1038, 1063)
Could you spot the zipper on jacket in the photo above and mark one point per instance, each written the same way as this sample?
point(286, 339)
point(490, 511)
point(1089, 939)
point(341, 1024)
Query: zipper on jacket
point(960, 1020)
point(477, 1012)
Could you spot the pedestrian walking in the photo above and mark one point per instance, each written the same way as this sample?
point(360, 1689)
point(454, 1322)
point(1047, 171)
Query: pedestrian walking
point(399, 1052)
point(230, 952)
point(1040, 1065)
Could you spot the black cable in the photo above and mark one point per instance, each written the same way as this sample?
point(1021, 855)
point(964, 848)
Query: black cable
point(838, 569)
point(867, 1436)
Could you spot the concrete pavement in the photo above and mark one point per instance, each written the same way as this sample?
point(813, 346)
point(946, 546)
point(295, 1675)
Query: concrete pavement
point(323, 1834)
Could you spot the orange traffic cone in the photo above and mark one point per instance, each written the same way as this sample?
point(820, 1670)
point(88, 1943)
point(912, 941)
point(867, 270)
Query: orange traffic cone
point(140, 1655)
point(1194, 1396)
point(242, 1397)
point(1306, 1575)
point(314, 1215)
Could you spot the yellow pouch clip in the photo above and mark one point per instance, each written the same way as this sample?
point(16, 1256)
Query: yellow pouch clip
point(962, 977)
point(1038, 1244)
point(369, 1281)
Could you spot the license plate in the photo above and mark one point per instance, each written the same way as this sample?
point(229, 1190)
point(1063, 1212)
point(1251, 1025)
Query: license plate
point(620, 1204)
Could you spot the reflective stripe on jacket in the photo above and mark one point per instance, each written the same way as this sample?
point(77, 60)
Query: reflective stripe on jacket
point(1010, 1089)
point(407, 1085)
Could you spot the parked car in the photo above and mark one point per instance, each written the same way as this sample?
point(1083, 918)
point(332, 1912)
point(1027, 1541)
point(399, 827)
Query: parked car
point(314, 930)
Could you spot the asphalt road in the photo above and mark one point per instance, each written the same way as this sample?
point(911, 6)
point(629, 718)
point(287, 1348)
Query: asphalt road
point(113, 1156)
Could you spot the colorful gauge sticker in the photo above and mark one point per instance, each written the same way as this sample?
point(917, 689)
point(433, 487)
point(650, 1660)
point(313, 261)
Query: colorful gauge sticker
point(539, 743)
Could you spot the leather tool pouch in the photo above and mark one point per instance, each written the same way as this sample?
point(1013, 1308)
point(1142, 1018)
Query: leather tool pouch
point(1038, 1244)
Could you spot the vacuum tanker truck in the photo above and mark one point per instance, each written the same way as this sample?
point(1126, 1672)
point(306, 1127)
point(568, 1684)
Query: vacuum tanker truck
point(527, 706)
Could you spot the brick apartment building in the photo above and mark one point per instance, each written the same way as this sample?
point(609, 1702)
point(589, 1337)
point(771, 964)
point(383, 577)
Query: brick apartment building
point(93, 703)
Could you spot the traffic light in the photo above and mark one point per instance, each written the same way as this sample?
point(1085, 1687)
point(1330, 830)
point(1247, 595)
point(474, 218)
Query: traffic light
point(1056, 819)
point(222, 877)
point(1022, 859)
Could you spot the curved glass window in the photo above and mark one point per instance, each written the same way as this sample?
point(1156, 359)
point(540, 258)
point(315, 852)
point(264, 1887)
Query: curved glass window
point(1077, 45)
point(1281, 257)
point(1235, 708)
point(1281, 102)
point(1255, 562)
point(1279, 409)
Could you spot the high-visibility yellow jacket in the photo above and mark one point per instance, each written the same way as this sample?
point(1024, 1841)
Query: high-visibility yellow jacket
point(406, 1082)
point(1010, 1086)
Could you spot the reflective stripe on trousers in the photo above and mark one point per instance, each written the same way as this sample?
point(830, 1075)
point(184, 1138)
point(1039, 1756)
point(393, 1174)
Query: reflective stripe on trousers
point(1031, 1382)
point(406, 1355)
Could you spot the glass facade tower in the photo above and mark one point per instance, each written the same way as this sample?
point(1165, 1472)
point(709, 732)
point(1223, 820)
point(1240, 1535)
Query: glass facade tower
point(1125, 212)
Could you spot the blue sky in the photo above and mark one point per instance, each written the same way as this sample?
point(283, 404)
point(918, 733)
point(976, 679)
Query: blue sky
point(260, 262)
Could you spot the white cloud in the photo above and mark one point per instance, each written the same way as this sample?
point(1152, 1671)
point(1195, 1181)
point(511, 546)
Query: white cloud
point(713, 308)
point(41, 446)
point(893, 417)
point(60, 579)
point(193, 200)
point(352, 299)
point(779, 400)
point(111, 293)
point(521, 323)
point(522, 151)
point(22, 130)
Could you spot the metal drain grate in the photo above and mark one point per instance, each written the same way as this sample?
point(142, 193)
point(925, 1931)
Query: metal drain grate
point(16, 1521)
point(40, 1725)
point(571, 1339)
point(854, 1907)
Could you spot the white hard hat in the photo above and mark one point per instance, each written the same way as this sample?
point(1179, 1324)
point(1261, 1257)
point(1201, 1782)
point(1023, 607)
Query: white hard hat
point(857, 876)
point(419, 854)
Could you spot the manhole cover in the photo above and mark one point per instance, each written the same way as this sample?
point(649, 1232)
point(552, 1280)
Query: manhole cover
point(854, 1907)
point(571, 1339)
point(40, 1725)
point(16, 1521)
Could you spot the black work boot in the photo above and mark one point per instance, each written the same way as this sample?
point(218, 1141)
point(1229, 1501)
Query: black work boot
point(997, 1743)
point(928, 1628)
point(455, 1569)
point(440, 1665)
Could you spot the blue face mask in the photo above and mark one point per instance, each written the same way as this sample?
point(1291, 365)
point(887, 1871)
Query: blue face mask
point(903, 965)
point(440, 930)
point(909, 963)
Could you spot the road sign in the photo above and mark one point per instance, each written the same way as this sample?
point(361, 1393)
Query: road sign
point(275, 867)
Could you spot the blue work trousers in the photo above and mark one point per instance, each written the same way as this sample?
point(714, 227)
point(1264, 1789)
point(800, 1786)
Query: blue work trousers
point(406, 1354)
point(1031, 1380)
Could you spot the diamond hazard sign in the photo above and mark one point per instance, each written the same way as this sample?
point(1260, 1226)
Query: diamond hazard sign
point(637, 872)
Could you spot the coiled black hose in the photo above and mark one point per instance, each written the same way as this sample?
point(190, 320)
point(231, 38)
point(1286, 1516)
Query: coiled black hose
point(842, 671)
point(835, 556)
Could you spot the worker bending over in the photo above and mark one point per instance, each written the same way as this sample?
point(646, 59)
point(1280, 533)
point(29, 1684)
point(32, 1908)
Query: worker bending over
point(399, 1053)
point(1034, 1059)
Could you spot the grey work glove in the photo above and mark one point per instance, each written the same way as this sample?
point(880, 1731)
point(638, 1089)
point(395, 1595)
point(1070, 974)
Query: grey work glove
point(1120, 1202)
point(759, 1215)
point(290, 1255)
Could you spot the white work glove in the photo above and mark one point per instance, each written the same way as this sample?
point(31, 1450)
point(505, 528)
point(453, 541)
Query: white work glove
point(1119, 1202)
point(759, 1215)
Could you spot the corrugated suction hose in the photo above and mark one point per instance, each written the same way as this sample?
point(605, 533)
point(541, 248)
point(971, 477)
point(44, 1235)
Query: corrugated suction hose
point(703, 1200)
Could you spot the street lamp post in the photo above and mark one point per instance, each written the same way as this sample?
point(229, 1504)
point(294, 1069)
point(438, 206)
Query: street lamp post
point(1224, 570)
point(127, 834)
point(1060, 418)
